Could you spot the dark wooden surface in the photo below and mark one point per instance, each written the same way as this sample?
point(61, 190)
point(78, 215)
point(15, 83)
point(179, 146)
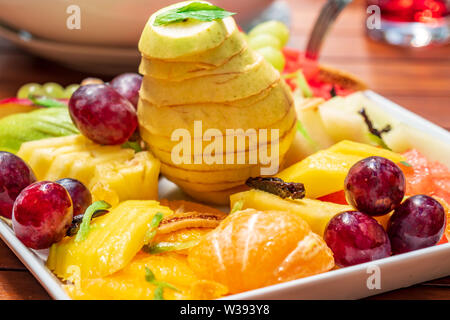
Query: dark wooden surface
point(416, 79)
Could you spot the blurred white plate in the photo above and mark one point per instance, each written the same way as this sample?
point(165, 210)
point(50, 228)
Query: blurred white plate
point(87, 58)
point(347, 283)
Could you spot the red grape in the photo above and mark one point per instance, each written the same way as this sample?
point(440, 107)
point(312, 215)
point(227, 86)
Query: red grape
point(417, 223)
point(375, 186)
point(42, 213)
point(355, 237)
point(128, 85)
point(102, 114)
point(15, 175)
point(80, 195)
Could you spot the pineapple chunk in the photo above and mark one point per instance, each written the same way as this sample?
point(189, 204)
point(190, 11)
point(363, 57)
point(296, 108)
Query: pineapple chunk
point(365, 150)
point(112, 242)
point(27, 148)
point(84, 169)
point(324, 172)
point(124, 181)
point(112, 173)
point(315, 212)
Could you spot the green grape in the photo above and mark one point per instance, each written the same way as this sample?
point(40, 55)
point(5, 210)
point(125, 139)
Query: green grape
point(274, 57)
point(53, 90)
point(70, 89)
point(264, 40)
point(29, 88)
point(273, 27)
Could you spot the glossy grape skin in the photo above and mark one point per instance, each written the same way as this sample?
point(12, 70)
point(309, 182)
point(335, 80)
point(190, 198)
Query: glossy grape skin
point(42, 214)
point(375, 186)
point(355, 238)
point(53, 90)
point(419, 222)
point(30, 88)
point(274, 57)
point(102, 114)
point(273, 27)
point(80, 195)
point(128, 85)
point(264, 40)
point(15, 175)
point(70, 89)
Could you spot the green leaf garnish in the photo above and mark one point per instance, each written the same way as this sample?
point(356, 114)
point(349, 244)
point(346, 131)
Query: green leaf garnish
point(135, 145)
point(305, 134)
point(85, 223)
point(160, 285)
point(46, 102)
point(238, 205)
point(169, 246)
point(301, 82)
point(303, 85)
point(406, 164)
point(195, 10)
point(154, 224)
point(378, 141)
point(158, 294)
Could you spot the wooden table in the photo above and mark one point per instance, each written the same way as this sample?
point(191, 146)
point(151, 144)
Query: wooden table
point(417, 79)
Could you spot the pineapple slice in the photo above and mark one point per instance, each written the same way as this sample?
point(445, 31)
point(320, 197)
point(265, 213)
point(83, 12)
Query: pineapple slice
point(27, 148)
point(112, 242)
point(324, 172)
point(317, 213)
point(124, 181)
point(112, 173)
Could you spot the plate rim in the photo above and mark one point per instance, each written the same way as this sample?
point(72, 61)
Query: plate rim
point(33, 260)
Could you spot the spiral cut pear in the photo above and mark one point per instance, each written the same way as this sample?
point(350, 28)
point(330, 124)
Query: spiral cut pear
point(212, 110)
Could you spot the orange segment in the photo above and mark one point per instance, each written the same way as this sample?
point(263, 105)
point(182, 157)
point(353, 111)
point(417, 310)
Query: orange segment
point(252, 249)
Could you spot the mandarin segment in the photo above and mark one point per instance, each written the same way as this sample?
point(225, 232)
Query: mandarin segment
point(252, 249)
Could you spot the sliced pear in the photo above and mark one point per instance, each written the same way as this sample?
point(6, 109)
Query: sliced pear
point(403, 138)
point(213, 115)
point(179, 71)
point(183, 38)
point(215, 57)
point(217, 88)
point(285, 127)
point(342, 121)
point(310, 119)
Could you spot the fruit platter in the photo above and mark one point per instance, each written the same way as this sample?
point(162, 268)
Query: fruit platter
point(229, 166)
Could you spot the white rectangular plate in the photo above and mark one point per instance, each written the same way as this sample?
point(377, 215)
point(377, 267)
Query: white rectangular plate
point(348, 283)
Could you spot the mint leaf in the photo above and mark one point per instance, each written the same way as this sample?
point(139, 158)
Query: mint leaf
point(238, 205)
point(46, 102)
point(85, 223)
point(406, 164)
point(303, 85)
point(160, 285)
point(154, 224)
point(195, 10)
point(378, 141)
point(169, 246)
